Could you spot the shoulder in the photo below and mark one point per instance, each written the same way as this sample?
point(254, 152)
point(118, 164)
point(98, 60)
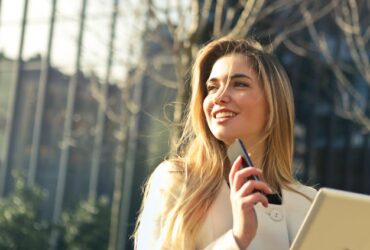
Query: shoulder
point(304, 191)
point(166, 178)
point(161, 190)
point(168, 168)
point(166, 172)
point(161, 194)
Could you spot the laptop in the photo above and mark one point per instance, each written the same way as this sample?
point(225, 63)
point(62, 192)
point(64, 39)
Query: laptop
point(337, 220)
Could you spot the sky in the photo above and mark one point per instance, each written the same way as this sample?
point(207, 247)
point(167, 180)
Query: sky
point(64, 48)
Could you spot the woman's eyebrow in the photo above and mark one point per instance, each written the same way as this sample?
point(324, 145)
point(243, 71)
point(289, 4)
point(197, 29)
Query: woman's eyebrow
point(213, 79)
point(238, 75)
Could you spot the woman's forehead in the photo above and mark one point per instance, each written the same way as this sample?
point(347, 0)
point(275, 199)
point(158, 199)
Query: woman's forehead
point(231, 65)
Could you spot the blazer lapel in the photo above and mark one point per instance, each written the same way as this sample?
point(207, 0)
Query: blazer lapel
point(272, 231)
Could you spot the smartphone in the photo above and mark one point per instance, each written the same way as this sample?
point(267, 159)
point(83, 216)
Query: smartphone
point(238, 148)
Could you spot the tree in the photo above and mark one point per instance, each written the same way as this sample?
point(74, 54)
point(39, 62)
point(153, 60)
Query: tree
point(191, 24)
point(351, 21)
point(275, 23)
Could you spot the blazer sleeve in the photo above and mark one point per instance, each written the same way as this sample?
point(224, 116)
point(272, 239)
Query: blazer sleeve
point(162, 192)
point(160, 197)
point(224, 242)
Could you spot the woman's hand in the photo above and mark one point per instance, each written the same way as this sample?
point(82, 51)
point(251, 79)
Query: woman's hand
point(243, 198)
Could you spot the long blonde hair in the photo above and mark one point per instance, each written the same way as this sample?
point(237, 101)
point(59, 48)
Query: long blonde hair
point(201, 158)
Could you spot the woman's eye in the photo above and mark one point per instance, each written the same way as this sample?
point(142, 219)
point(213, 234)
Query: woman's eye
point(211, 88)
point(241, 84)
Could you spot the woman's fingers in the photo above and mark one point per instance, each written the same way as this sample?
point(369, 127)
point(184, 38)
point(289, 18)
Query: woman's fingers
point(251, 185)
point(243, 198)
point(234, 169)
point(241, 176)
point(245, 172)
point(244, 187)
point(250, 200)
point(247, 196)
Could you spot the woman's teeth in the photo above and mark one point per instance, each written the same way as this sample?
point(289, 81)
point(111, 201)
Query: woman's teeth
point(225, 114)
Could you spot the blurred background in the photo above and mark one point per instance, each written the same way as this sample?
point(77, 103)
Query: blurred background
point(92, 93)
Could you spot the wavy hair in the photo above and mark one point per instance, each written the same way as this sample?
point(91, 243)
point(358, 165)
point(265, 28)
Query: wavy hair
point(201, 158)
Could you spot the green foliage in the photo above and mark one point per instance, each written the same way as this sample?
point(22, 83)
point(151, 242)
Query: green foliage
point(88, 226)
point(21, 226)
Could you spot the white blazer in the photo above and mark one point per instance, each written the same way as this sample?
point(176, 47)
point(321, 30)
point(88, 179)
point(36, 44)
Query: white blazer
point(277, 224)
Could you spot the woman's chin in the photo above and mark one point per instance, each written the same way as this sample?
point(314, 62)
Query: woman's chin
point(227, 139)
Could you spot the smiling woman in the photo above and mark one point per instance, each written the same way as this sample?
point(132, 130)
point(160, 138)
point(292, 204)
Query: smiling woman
point(235, 105)
point(201, 200)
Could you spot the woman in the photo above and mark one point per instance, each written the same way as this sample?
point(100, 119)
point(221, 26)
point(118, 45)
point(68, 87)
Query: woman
point(201, 200)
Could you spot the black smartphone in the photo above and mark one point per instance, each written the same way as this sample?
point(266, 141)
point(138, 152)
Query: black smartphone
point(238, 148)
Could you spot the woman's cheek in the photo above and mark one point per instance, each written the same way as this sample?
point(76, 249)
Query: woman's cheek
point(207, 108)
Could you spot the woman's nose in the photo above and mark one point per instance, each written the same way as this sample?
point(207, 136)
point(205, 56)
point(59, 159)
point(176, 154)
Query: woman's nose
point(223, 96)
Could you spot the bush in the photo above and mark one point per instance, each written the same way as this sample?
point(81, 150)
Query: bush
point(88, 226)
point(21, 226)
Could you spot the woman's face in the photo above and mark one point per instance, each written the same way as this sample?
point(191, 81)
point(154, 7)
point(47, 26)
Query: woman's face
point(235, 105)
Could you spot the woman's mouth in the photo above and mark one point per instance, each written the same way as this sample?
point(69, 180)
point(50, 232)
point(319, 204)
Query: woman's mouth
point(225, 114)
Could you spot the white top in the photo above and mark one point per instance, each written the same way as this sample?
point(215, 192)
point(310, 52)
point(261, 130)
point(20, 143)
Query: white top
point(277, 224)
